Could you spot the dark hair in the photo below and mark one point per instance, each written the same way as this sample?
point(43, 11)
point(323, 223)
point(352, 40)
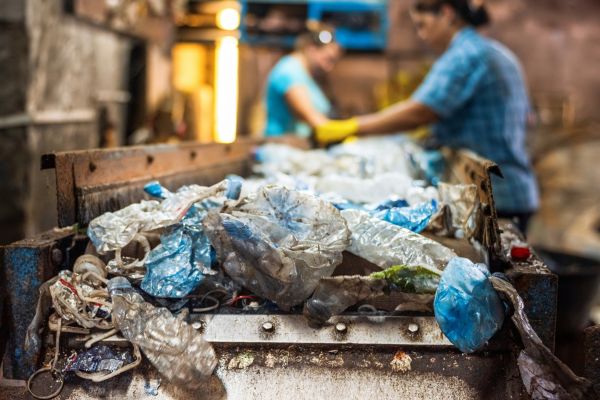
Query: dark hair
point(471, 14)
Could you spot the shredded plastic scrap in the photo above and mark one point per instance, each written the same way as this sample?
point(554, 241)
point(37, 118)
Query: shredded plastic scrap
point(466, 306)
point(279, 243)
point(83, 301)
point(386, 245)
point(176, 349)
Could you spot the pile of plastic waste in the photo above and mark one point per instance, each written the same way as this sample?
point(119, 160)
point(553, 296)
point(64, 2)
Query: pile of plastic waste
point(274, 241)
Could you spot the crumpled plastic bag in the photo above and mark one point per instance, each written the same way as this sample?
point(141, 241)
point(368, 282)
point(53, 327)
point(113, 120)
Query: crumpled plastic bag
point(114, 230)
point(466, 306)
point(179, 264)
point(544, 375)
point(386, 245)
point(279, 243)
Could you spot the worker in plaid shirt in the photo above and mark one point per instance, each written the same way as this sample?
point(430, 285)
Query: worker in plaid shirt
point(474, 97)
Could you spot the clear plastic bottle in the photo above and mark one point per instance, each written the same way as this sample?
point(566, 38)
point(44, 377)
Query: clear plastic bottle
point(176, 349)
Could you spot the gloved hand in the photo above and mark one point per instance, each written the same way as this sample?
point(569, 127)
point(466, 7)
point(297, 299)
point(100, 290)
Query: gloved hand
point(336, 130)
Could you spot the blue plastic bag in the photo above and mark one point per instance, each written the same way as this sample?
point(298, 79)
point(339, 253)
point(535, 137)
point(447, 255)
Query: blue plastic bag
point(466, 306)
point(179, 264)
point(400, 213)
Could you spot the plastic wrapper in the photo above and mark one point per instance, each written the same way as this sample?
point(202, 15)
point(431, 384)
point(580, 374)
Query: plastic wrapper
point(466, 306)
point(414, 218)
point(544, 375)
point(99, 358)
point(413, 288)
point(176, 349)
point(386, 245)
point(114, 230)
point(279, 243)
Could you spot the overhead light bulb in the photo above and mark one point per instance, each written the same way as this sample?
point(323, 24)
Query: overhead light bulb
point(228, 19)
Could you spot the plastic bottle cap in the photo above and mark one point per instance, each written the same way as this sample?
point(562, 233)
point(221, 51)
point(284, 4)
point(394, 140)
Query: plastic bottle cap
point(520, 253)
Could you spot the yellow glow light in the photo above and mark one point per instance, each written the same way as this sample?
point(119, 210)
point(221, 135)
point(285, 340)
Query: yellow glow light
point(188, 60)
point(226, 88)
point(228, 19)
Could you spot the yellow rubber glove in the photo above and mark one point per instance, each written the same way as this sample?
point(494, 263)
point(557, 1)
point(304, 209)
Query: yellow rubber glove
point(336, 130)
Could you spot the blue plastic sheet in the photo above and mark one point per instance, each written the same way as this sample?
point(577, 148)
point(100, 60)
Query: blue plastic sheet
point(466, 306)
point(179, 264)
point(398, 212)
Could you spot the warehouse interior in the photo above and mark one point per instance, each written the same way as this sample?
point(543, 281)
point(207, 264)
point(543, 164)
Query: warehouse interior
point(93, 84)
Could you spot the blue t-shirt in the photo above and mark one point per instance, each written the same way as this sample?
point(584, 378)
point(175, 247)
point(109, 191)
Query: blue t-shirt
point(287, 73)
point(477, 89)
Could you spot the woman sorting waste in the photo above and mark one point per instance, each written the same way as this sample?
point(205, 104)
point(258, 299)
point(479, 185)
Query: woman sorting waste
point(295, 102)
point(474, 97)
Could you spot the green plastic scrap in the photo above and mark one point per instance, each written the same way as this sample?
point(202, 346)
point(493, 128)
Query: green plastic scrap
point(410, 279)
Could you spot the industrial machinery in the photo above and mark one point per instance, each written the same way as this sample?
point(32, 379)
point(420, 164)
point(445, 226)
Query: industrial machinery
point(269, 354)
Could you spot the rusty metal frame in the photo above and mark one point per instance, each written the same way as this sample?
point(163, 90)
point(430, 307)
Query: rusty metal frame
point(91, 182)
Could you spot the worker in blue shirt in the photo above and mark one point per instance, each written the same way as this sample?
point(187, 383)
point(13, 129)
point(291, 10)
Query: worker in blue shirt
point(294, 101)
point(474, 97)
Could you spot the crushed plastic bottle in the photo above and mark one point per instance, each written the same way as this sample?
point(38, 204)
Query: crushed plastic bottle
point(466, 306)
point(386, 245)
point(176, 349)
point(279, 243)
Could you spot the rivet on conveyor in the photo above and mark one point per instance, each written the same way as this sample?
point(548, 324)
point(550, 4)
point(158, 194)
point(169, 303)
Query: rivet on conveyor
point(341, 328)
point(268, 327)
point(413, 328)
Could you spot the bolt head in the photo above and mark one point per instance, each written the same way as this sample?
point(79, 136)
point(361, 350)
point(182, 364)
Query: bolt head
point(197, 325)
point(413, 328)
point(268, 327)
point(341, 327)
